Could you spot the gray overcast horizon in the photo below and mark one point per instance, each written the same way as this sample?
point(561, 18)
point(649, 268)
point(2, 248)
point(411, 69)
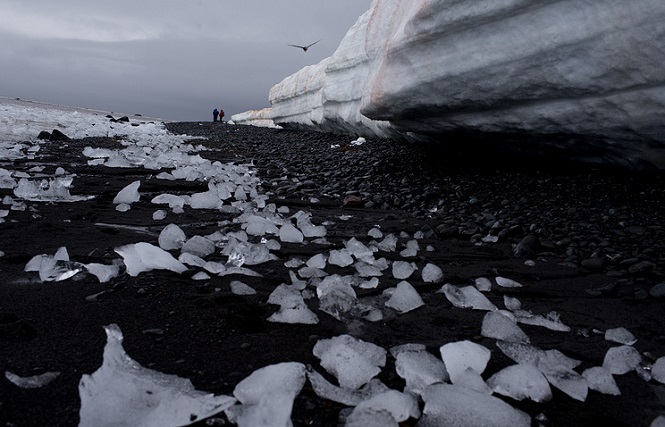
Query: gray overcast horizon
point(167, 59)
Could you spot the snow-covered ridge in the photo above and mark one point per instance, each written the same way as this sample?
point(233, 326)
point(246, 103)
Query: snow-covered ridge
point(590, 72)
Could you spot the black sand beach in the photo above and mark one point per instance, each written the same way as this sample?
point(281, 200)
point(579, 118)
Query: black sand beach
point(597, 236)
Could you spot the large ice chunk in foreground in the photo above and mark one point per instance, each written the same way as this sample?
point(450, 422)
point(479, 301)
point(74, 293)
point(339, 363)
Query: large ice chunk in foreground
point(419, 368)
point(450, 405)
point(521, 381)
point(352, 361)
point(458, 356)
point(405, 298)
point(140, 257)
point(267, 395)
point(123, 393)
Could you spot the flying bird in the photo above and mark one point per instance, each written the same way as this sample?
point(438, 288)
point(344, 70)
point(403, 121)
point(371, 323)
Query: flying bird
point(304, 48)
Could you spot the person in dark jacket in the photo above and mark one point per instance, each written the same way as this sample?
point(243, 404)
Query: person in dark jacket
point(215, 113)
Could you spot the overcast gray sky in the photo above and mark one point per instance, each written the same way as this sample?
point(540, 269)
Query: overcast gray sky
point(171, 59)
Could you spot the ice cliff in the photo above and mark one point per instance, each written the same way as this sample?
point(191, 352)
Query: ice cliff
point(570, 78)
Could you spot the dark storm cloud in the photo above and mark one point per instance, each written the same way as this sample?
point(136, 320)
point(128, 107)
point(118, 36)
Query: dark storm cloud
point(166, 59)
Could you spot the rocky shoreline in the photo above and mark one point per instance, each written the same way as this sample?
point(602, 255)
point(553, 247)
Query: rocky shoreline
point(599, 220)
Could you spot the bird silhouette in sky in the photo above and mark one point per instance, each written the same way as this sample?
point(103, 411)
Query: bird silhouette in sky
point(304, 48)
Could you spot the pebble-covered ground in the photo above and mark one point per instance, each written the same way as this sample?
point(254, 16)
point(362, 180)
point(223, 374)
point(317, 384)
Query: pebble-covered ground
point(600, 220)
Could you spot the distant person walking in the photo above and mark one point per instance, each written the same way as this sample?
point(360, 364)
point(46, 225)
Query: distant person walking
point(221, 114)
point(215, 113)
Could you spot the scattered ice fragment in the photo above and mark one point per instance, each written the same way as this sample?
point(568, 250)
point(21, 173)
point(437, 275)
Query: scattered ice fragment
point(308, 229)
point(192, 260)
point(103, 272)
point(290, 234)
point(240, 288)
point(400, 406)
point(123, 207)
point(551, 321)
point(621, 360)
point(659, 421)
point(370, 418)
point(336, 296)
point(293, 308)
point(388, 244)
point(54, 267)
point(405, 298)
point(172, 200)
point(47, 190)
point(450, 405)
point(375, 233)
point(124, 393)
point(201, 275)
point(129, 194)
point(367, 270)
point(511, 303)
point(620, 335)
point(432, 274)
point(143, 256)
point(507, 283)
point(199, 246)
point(568, 381)
point(35, 381)
point(358, 249)
point(501, 327)
point(159, 215)
point(326, 390)
point(483, 284)
point(341, 257)
point(600, 379)
point(403, 269)
point(352, 361)
point(412, 248)
point(658, 370)
point(282, 378)
point(171, 237)
point(317, 261)
point(460, 355)
point(369, 284)
point(267, 396)
point(472, 380)
point(467, 297)
point(521, 381)
point(420, 369)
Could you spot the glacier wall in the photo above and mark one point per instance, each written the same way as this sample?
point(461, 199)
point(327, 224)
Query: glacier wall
point(576, 78)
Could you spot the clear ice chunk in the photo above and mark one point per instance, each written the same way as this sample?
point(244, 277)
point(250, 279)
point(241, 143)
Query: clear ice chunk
point(317, 261)
point(401, 406)
point(420, 369)
point(358, 249)
point(375, 233)
point(103, 272)
point(352, 361)
point(283, 378)
point(324, 389)
point(240, 288)
point(129, 194)
point(550, 321)
point(621, 360)
point(432, 274)
point(483, 284)
point(336, 296)
point(467, 297)
point(341, 257)
point(293, 308)
point(142, 256)
point(451, 405)
point(411, 250)
point(403, 269)
point(370, 418)
point(567, 380)
point(620, 335)
point(388, 244)
point(460, 355)
point(502, 327)
point(199, 246)
point(507, 283)
point(34, 381)
point(658, 370)
point(171, 237)
point(47, 190)
point(290, 234)
point(600, 379)
point(124, 393)
point(405, 298)
point(521, 381)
